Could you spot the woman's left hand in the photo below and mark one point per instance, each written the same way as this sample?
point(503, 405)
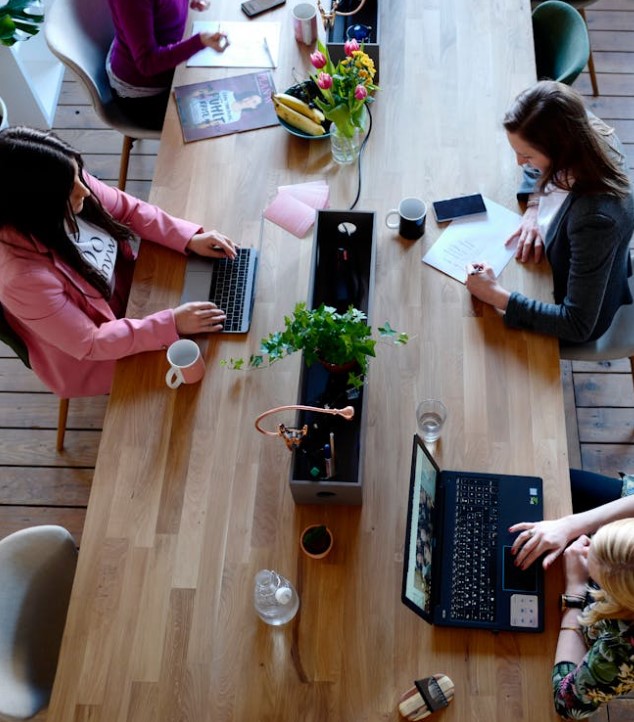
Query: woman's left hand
point(576, 565)
point(212, 244)
point(482, 283)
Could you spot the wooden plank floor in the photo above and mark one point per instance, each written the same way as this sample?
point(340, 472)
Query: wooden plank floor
point(38, 485)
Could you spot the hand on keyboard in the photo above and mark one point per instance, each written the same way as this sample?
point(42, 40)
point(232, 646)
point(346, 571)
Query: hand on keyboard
point(212, 244)
point(198, 317)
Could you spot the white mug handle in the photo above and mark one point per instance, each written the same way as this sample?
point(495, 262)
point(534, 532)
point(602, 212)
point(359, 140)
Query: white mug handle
point(174, 378)
point(393, 212)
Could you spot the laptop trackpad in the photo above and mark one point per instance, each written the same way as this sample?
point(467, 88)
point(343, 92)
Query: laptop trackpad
point(197, 286)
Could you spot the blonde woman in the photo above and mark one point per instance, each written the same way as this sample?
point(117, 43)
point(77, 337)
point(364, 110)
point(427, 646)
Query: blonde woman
point(594, 660)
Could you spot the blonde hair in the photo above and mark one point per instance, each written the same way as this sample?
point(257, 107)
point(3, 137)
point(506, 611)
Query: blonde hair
point(613, 548)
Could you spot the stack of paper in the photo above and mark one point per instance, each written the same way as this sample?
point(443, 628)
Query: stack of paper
point(294, 207)
point(474, 240)
point(251, 45)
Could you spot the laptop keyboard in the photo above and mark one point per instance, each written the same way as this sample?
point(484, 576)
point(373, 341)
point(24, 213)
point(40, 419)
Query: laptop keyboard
point(228, 287)
point(473, 587)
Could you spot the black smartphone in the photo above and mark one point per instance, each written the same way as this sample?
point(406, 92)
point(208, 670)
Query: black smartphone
point(256, 7)
point(452, 208)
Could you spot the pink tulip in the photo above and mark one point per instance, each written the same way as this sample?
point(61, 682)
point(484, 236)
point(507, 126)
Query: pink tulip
point(351, 46)
point(324, 81)
point(360, 93)
point(318, 59)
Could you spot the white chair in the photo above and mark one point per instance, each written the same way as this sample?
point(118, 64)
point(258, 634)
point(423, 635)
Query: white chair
point(616, 343)
point(79, 33)
point(37, 567)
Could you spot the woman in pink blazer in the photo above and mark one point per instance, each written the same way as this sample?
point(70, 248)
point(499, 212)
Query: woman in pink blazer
point(66, 265)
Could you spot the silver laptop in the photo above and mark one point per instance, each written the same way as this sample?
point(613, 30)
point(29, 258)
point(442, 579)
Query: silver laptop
point(230, 284)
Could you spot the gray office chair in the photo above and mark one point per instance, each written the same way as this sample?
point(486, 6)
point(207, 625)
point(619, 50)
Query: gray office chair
point(581, 5)
point(37, 568)
point(562, 45)
point(14, 342)
point(616, 343)
point(79, 33)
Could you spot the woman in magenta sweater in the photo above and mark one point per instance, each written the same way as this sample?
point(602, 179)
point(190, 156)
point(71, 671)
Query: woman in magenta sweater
point(147, 46)
point(66, 265)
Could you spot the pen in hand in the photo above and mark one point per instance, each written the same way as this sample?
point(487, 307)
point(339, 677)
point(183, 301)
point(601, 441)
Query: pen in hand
point(477, 268)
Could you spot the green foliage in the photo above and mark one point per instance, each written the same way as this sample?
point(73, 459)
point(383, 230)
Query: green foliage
point(19, 19)
point(323, 335)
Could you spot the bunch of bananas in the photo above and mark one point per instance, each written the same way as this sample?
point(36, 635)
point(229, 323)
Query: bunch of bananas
point(299, 114)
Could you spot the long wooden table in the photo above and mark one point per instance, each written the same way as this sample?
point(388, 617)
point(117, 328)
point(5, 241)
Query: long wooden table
point(189, 501)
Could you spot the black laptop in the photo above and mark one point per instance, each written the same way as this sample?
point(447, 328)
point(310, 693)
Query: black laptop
point(459, 570)
point(229, 283)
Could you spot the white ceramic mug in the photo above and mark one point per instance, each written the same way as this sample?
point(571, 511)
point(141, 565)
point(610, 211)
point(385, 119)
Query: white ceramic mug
point(305, 23)
point(187, 365)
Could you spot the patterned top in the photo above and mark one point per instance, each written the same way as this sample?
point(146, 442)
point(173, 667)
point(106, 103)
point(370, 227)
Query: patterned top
point(606, 671)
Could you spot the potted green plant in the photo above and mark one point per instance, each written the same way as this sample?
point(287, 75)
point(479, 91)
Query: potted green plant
point(340, 341)
point(19, 19)
point(316, 541)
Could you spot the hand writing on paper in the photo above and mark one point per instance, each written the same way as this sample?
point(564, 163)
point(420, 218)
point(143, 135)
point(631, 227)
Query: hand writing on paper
point(198, 317)
point(528, 237)
point(216, 41)
point(212, 244)
point(482, 283)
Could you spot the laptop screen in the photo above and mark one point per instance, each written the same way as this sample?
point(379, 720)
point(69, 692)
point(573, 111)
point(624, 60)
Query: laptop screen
point(417, 577)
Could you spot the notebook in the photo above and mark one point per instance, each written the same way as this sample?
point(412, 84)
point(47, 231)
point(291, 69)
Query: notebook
point(230, 284)
point(458, 567)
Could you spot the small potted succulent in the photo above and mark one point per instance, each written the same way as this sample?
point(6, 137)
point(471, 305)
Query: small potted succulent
point(340, 341)
point(316, 541)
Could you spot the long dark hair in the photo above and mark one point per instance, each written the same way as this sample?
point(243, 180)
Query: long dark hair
point(552, 118)
point(37, 179)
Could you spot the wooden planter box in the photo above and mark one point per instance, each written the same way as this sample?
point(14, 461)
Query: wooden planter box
point(368, 16)
point(355, 232)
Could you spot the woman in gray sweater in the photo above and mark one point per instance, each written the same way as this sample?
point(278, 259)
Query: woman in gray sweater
point(580, 212)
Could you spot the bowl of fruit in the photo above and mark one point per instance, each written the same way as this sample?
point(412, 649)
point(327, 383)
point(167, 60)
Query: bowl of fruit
point(298, 114)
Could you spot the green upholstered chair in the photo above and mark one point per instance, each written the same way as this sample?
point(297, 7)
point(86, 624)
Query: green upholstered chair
point(14, 342)
point(562, 46)
point(581, 6)
point(37, 568)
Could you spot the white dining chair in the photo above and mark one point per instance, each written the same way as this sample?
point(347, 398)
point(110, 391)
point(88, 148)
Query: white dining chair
point(79, 33)
point(37, 568)
point(616, 343)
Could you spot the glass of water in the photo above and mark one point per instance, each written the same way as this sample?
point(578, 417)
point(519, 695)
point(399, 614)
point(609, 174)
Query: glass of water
point(430, 416)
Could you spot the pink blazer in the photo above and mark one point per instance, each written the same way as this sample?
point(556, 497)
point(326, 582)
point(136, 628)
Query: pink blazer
point(71, 332)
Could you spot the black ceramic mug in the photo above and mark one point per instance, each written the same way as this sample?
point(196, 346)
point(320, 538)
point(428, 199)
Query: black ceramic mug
point(412, 213)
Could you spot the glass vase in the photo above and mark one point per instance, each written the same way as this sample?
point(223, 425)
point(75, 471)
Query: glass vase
point(345, 150)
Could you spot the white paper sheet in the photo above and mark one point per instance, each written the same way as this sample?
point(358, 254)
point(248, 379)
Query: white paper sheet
point(247, 47)
point(477, 238)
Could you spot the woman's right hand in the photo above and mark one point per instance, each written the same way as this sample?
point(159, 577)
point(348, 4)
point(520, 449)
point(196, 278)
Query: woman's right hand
point(198, 317)
point(528, 238)
point(536, 538)
point(216, 41)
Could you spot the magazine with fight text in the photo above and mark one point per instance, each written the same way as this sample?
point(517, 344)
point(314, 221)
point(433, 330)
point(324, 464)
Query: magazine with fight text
point(226, 105)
